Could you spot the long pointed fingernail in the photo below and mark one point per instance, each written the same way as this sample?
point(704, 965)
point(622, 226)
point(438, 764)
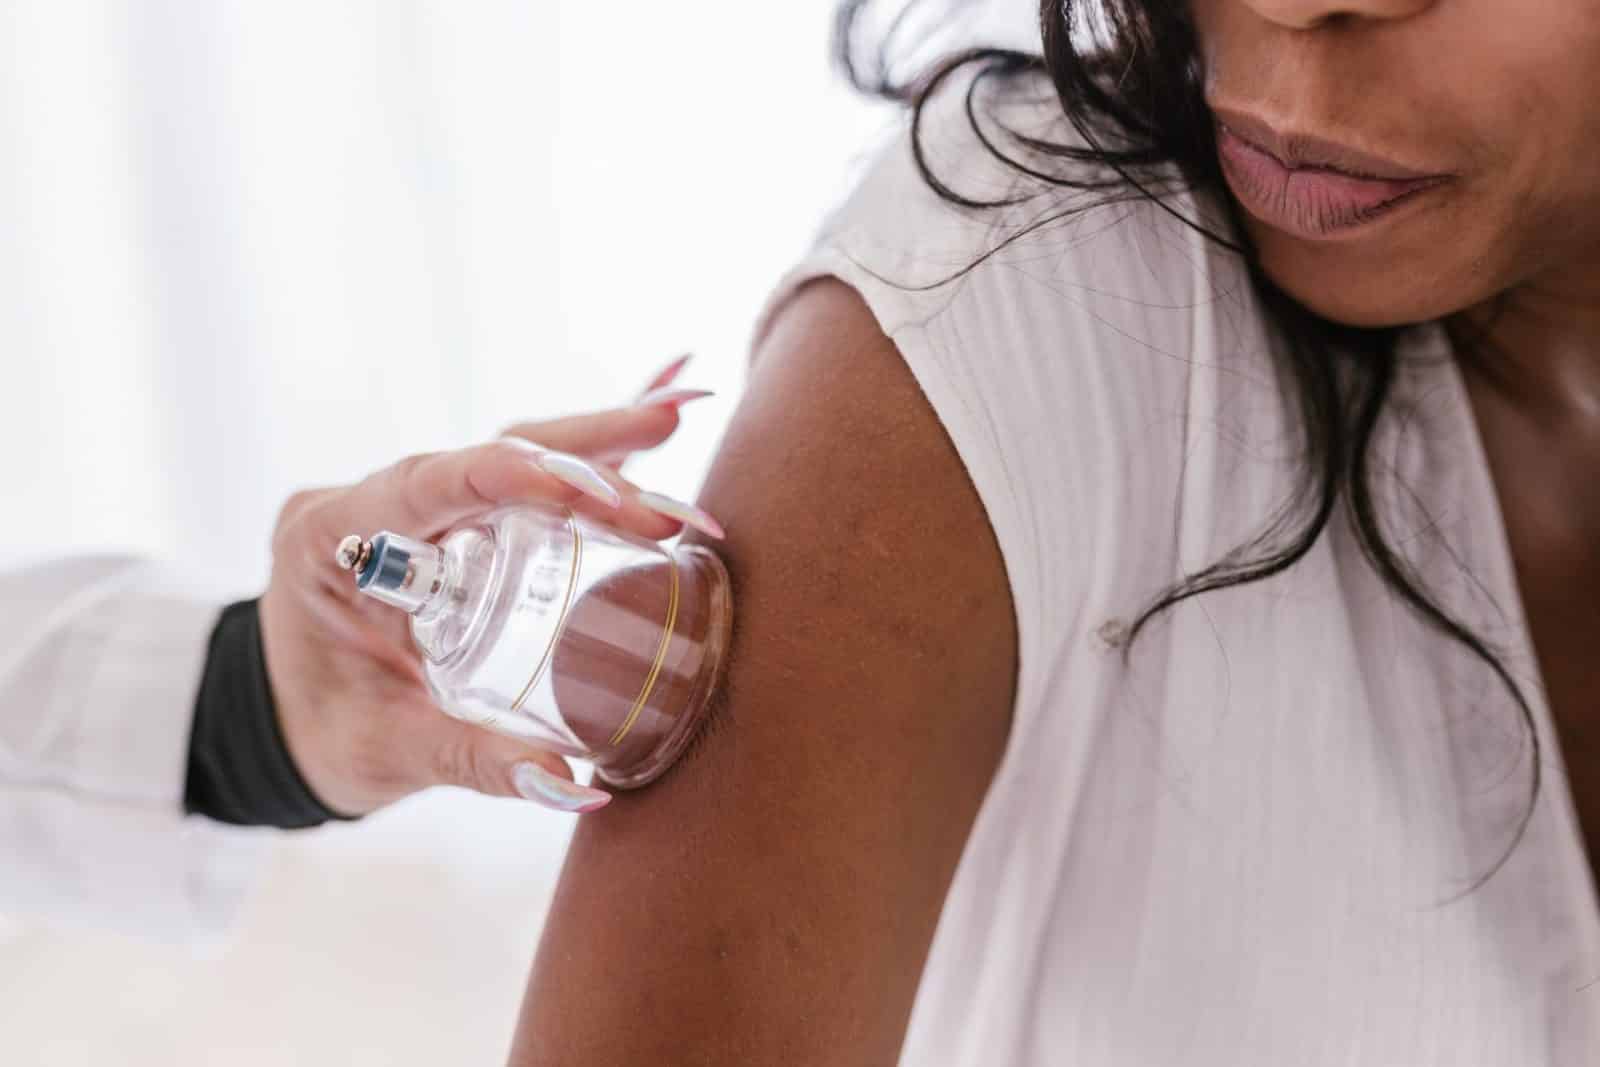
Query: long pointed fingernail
point(669, 372)
point(533, 782)
point(668, 395)
point(578, 474)
point(688, 513)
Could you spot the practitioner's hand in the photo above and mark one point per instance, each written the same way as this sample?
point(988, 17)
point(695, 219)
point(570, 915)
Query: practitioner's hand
point(346, 678)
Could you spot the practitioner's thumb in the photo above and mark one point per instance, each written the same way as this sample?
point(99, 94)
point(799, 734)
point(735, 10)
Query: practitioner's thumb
point(488, 763)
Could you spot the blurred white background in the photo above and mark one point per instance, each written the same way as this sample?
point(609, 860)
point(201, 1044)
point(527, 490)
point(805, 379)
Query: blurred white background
point(251, 247)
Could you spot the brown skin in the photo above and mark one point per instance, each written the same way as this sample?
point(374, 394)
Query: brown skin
point(772, 899)
point(1506, 103)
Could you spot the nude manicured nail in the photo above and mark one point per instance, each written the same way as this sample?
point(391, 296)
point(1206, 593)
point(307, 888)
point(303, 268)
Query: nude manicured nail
point(668, 395)
point(578, 474)
point(534, 783)
point(670, 371)
point(688, 513)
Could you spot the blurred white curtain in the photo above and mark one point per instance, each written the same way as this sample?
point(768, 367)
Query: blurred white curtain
point(247, 247)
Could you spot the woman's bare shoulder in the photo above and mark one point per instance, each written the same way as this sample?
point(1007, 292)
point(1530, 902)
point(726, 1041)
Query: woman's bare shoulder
point(772, 898)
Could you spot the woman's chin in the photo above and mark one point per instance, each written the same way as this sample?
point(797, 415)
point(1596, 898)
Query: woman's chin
point(1354, 289)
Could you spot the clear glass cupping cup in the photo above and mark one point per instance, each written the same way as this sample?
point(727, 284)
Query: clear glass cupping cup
point(562, 631)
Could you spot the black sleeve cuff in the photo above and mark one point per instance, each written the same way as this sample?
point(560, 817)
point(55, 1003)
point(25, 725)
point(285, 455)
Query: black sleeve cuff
point(240, 771)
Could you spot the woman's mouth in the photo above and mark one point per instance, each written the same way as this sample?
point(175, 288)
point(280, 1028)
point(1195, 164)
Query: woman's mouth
point(1310, 188)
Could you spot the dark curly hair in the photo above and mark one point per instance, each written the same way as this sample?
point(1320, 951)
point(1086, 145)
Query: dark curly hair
point(1128, 76)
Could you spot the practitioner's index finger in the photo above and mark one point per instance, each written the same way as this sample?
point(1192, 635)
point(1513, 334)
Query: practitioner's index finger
point(425, 494)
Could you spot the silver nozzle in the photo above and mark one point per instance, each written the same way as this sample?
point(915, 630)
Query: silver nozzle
point(396, 569)
point(353, 553)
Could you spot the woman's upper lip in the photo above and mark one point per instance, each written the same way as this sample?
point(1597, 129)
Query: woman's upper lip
point(1303, 150)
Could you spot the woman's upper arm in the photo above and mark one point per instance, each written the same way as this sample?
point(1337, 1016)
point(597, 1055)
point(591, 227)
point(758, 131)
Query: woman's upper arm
point(772, 898)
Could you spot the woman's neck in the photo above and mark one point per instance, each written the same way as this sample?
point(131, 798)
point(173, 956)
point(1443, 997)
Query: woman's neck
point(1537, 347)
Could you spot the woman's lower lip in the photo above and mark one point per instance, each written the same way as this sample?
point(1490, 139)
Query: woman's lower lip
point(1315, 204)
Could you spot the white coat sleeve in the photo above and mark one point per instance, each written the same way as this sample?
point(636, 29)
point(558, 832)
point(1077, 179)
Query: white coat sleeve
point(100, 663)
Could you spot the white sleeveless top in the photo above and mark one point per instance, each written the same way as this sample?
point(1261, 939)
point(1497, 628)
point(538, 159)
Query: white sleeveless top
point(1250, 844)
